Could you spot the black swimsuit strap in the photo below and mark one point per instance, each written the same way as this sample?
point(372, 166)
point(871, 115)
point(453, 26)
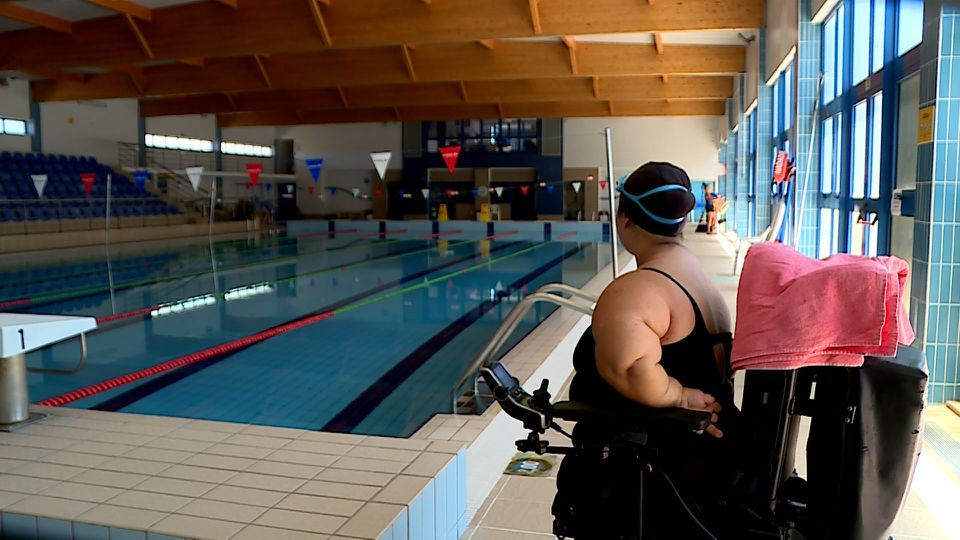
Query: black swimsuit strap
point(700, 321)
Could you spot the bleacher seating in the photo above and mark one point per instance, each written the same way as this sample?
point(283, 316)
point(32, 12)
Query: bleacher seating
point(64, 195)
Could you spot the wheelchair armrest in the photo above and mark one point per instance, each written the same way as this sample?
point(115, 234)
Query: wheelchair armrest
point(638, 417)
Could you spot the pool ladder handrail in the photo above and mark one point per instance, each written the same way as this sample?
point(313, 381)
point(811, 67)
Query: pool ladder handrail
point(510, 323)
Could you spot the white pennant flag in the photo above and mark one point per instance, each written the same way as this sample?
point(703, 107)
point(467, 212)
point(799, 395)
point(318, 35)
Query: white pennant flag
point(39, 182)
point(499, 191)
point(356, 192)
point(426, 193)
point(289, 188)
point(576, 187)
point(380, 161)
point(194, 173)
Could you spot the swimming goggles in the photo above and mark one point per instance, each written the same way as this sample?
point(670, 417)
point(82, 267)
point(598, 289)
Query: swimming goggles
point(654, 191)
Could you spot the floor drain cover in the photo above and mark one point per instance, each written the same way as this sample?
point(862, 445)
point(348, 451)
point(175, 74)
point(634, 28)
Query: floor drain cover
point(529, 464)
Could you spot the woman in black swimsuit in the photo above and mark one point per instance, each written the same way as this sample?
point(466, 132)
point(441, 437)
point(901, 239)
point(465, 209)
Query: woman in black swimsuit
point(660, 338)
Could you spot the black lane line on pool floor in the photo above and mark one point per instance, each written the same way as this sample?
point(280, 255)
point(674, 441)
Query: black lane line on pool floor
point(363, 405)
point(133, 395)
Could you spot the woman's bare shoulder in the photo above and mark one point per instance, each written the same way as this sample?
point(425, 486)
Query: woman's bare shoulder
point(636, 294)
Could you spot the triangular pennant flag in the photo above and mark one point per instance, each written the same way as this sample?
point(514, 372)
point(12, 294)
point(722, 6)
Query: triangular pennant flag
point(140, 178)
point(380, 161)
point(254, 170)
point(247, 185)
point(39, 182)
point(576, 187)
point(333, 191)
point(289, 188)
point(314, 165)
point(356, 192)
point(549, 188)
point(426, 193)
point(603, 184)
point(543, 184)
point(321, 197)
point(310, 190)
point(194, 174)
point(268, 186)
point(87, 179)
point(377, 192)
point(524, 189)
point(402, 193)
point(499, 191)
point(450, 155)
point(474, 192)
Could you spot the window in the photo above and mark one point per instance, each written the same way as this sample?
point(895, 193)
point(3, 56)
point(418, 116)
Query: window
point(858, 164)
point(776, 108)
point(879, 27)
point(505, 135)
point(830, 58)
point(911, 25)
point(827, 157)
point(861, 40)
point(826, 234)
point(788, 87)
point(876, 108)
point(12, 126)
point(152, 140)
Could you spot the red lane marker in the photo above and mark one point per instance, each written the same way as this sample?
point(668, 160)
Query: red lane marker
point(10, 303)
point(498, 235)
point(444, 233)
point(565, 236)
point(385, 233)
point(185, 360)
point(125, 315)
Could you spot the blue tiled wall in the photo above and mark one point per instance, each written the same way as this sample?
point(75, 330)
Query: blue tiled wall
point(935, 302)
point(764, 148)
point(808, 156)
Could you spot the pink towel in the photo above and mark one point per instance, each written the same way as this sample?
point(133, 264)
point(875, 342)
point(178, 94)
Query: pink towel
point(794, 311)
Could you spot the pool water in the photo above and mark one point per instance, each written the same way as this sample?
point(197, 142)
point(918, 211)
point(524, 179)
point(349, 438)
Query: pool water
point(360, 335)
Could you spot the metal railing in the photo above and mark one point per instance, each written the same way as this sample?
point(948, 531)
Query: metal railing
point(510, 323)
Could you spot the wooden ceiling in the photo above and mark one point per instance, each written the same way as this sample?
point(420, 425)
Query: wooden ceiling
point(272, 62)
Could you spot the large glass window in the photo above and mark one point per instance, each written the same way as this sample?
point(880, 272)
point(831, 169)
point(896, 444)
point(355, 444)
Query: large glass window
point(788, 87)
point(12, 126)
point(876, 128)
point(861, 40)
point(858, 163)
point(879, 27)
point(910, 26)
point(833, 56)
point(505, 135)
point(826, 156)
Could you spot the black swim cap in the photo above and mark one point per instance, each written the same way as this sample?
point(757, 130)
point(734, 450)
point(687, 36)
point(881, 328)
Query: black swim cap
point(647, 200)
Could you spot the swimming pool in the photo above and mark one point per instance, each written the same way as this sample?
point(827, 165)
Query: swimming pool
point(353, 333)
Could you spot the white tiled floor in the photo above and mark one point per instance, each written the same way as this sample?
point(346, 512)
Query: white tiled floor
point(518, 508)
point(197, 479)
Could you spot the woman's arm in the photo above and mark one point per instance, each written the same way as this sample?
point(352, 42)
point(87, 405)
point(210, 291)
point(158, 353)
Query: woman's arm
point(629, 322)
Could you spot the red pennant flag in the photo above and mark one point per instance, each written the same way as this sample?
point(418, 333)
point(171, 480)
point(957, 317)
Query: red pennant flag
point(524, 189)
point(310, 190)
point(87, 179)
point(450, 155)
point(603, 184)
point(254, 170)
point(247, 185)
point(377, 192)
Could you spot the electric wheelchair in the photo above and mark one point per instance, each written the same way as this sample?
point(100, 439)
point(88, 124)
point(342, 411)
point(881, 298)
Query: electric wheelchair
point(864, 439)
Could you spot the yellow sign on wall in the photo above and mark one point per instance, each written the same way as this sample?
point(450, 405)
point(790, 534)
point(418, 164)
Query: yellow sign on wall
point(925, 125)
point(442, 214)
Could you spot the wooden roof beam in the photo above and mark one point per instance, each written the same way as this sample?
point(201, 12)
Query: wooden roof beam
point(571, 44)
point(57, 75)
point(463, 92)
point(139, 35)
point(535, 16)
point(447, 63)
point(125, 7)
point(596, 87)
point(658, 42)
point(408, 61)
point(231, 101)
point(195, 62)
point(231, 3)
point(487, 44)
point(36, 18)
point(320, 21)
point(343, 97)
point(263, 70)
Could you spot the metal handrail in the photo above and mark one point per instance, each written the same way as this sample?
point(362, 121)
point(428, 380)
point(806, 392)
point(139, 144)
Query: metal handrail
point(510, 323)
point(83, 359)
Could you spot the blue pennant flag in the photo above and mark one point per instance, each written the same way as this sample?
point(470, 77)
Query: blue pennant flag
point(140, 178)
point(401, 193)
point(474, 192)
point(549, 188)
point(267, 186)
point(315, 164)
point(333, 191)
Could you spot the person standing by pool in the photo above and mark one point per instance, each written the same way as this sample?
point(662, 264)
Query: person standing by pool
point(709, 196)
